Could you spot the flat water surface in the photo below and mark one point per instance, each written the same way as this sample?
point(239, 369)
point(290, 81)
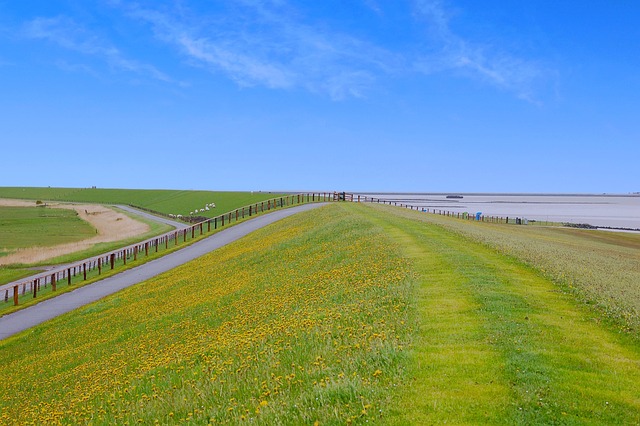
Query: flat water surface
point(617, 211)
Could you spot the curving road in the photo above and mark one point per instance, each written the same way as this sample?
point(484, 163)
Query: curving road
point(48, 309)
point(174, 223)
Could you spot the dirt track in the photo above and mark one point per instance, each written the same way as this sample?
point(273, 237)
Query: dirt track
point(109, 224)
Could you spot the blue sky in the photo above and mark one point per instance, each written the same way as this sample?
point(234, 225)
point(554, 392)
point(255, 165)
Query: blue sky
point(360, 95)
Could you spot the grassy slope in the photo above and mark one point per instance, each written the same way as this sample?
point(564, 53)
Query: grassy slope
point(301, 321)
point(499, 344)
point(165, 201)
point(22, 227)
point(599, 268)
point(309, 319)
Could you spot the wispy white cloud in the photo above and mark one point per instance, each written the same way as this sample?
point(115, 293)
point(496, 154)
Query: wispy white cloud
point(475, 59)
point(266, 42)
point(66, 33)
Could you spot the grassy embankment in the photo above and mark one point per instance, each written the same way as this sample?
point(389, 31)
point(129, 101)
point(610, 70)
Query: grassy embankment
point(349, 313)
point(162, 200)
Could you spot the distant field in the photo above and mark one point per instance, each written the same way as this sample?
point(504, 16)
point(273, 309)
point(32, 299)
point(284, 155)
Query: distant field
point(164, 201)
point(23, 227)
point(349, 314)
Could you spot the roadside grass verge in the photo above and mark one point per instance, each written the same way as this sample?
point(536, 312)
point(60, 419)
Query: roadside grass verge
point(305, 320)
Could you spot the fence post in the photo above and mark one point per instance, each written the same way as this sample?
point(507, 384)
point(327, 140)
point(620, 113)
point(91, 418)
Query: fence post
point(69, 276)
point(53, 282)
point(84, 271)
point(215, 223)
point(193, 232)
point(209, 223)
point(15, 295)
point(222, 223)
point(35, 288)
point(146, 248)
point(124, 256)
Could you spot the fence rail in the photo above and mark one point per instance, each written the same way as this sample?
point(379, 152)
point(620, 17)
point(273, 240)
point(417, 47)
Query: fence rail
point(95, 265)
point(441, 212)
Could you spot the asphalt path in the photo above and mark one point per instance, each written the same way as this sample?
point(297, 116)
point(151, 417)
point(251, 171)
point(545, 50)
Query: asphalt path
point(174, 223)
point(66, 302)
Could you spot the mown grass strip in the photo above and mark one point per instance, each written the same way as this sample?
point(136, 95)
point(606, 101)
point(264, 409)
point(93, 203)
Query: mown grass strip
point(500, 344)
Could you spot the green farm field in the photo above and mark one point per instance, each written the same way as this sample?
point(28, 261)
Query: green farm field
point(164, 201)
point(23, 227)
point(348, 314)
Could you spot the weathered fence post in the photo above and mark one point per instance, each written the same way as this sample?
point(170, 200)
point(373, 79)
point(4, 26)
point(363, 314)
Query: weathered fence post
point(35, 288)
point(69, 276)
point(146, 248)
point(15, 295)
point(84, 271)
point(53, 282)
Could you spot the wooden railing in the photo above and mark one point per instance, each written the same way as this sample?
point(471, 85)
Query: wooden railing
point(441, 212)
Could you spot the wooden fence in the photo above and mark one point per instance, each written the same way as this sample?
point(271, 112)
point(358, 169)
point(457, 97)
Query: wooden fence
point(121, 257)
point(458, 215)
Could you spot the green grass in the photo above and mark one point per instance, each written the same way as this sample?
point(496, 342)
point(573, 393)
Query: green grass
point(498, 343)
point(23, 227)
point(599, 268)
point(345, 314)
point(161, 200)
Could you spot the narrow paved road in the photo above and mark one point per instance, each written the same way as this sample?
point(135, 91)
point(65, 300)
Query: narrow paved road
point(174, 223)
point(48, 309)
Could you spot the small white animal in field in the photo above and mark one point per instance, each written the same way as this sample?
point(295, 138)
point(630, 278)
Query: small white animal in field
point(191, 213)
point(207, 208)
